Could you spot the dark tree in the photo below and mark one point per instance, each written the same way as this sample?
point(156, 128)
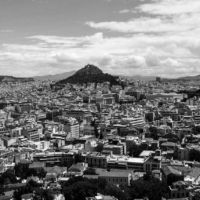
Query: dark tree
point(99, 147)
point(153, 132)
point(152, 189)
point(80, 190)
point(194, 155)
point(135, 150)
point(172, 178)
point(7, 178)
point(90, 171)
point(115, 191)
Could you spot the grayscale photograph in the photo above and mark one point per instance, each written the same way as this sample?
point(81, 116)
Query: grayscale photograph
point(99, 99)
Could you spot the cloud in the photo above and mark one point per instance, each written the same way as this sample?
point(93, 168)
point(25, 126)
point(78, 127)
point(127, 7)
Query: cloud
point(124, 11)
point(6, 31)
point(170, 7)
point(178, 23)
point(167, 55)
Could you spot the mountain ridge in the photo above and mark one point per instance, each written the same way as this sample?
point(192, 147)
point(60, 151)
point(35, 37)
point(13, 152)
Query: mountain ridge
point(61, 76)
point(55, 77)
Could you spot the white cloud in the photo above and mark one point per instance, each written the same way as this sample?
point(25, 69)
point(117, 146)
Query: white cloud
point(124, 11)
point(178, 23)
point(170, 7)
point(167, 55)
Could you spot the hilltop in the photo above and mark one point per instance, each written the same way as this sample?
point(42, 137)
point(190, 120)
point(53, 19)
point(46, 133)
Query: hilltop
point(90, 74)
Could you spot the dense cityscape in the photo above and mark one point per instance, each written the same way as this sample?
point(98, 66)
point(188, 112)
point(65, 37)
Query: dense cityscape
point(99, 100)
point(97, 141)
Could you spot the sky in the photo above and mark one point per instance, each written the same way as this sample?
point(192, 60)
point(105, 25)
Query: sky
point(121, 37)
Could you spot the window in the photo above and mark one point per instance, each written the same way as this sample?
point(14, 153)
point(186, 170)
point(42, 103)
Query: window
point(148, 167)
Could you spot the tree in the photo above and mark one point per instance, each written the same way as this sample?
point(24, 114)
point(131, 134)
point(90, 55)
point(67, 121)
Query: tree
point(135, 150)
point(1, 190)
point(172, 178)
point(153, 132)
point(152, 189)
point(80, 190)
point(102, 183)
point(33, 172)
point(147, 176)
point(194, 155)
point(115, 191)
point(90, 171)
point(7, 178)
point(99, 148)
point(196, 195)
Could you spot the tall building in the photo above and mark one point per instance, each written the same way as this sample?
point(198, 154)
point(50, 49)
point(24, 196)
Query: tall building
point(158, 79)
point(71, 126)
point(135, 94)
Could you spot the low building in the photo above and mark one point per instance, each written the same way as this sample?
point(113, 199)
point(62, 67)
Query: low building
point(77, 169)
point(53, 158)
point(180, 189)
point(116, 177)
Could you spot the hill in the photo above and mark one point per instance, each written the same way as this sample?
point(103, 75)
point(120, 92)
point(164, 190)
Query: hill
point(55, 77)
point(90, 74)
point(14, 79)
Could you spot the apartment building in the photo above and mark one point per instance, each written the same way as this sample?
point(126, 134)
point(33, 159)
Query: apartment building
point(53, 158)
point(96, 159)
point(180, 189)
point(130, 140)
point(71, 126)
point(16, 132)
point(126, 162)
point(80, 115)
point(152, 163)
point(88, 130)
point(24, 107)
point(115, 149)
point(135, 122)
point(32, 131)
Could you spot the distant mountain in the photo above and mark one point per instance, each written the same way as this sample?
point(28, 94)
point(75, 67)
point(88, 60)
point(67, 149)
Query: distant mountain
point(90, 74)
point(185, 78)
point(12, 79)
point(191, 78)
point(55, 77)
point(138, 77)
